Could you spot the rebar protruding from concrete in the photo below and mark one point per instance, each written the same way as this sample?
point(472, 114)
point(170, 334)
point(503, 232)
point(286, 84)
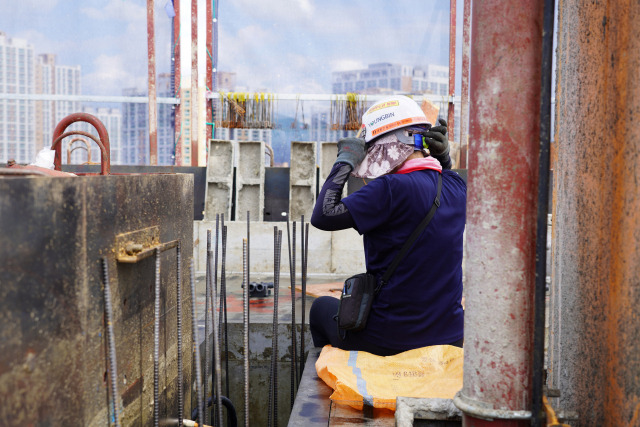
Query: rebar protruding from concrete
point(216, 342)
point(304, 251)
point(179, 333)
point(207, 309)
point(194, 340)
point(156, 343)
point(292, 276)
point(113, 372)
point(248, 246)
point(213, 313)
point(273, 377)
point(223, 285)
point(245, 319)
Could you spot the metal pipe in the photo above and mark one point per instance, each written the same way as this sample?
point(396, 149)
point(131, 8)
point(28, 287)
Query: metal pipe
point(194, 339)
point(452, 67)
point(248, 247)
point(179, 333)
point(209, 66)
point(113, 365)
point(501, 212)
point(207, 342)
point(194, 83)
point(156, 343)
point(177, 83)
point(269, 152)
point(537, 409)
point(464, 96)
point(151, 67)
point(245, 322)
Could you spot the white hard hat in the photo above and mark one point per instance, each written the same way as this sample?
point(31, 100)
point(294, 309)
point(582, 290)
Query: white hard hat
point(390, 114)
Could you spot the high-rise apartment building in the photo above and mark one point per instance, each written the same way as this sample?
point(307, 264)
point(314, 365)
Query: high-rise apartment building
point(17, 128)
point(135, 126)
point(387, 78)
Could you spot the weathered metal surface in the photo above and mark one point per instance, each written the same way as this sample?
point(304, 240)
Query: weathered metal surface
point(501, 208)
point(52, 339)
point(452, 67)
point(103, 136)
point(177, 79)
point(194, 83)
point(594, 347)
point(151, 70)
point(464, 83)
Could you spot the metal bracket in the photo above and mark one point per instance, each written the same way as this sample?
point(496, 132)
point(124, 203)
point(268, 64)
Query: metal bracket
point(140, 244)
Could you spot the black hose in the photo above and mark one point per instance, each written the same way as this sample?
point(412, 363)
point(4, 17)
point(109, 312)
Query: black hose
point(537, 412)
point(232, 416)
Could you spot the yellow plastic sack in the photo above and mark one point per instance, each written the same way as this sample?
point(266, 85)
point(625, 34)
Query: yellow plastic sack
point(357, 376)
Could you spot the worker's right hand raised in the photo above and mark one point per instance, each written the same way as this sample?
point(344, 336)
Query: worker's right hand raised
point(351, 151)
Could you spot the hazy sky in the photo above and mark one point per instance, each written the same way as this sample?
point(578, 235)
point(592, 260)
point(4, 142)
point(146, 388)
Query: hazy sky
point(283, 46)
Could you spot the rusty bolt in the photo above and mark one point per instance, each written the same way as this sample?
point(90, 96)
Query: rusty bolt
point(133, 248)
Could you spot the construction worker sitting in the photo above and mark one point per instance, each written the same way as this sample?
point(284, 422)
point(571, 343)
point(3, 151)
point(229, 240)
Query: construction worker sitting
point(421, 303)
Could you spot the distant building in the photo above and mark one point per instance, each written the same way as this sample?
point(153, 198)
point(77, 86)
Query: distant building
point(54, 79)
point(17, 127)
point(387, 78)
point(135, 126)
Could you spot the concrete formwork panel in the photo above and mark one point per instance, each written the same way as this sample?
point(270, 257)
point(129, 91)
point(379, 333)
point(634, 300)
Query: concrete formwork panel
point(302, 179)
point(250, 180)
point(52, 339)
point(594, 355)
point(339, 253)
point(219, 179)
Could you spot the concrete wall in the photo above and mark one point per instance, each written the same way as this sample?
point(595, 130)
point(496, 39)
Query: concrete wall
point(594, 357)
point(339, 253)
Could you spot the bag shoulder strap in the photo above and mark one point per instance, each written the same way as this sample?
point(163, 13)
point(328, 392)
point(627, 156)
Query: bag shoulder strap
point(416, 233)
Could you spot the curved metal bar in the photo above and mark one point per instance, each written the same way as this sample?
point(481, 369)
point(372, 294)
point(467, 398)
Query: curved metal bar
point(105, 148)
point(70, 150)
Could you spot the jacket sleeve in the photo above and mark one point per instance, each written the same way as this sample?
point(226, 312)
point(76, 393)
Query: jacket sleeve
point(330, 213)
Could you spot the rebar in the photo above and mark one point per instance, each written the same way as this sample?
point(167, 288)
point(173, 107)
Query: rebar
point(179, 333)
point(216, 343)
point(273, 330)
point(207, 342)
point(213, 305)
point(113, 373)
point(248, 247)
point(276, 292)
point(194, 339)
point(304, 250)
point(292, 277)
point(223, 285)
point(245, 318)
point(156, 343)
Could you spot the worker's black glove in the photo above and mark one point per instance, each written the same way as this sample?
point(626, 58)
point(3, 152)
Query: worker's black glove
point(436, 138)
point(351, 151)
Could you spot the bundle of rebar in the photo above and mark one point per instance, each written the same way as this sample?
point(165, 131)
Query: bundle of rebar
point(245, 110)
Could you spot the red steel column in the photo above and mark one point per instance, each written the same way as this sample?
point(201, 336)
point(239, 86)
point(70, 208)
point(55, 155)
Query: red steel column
point(452, 66)
point(464, 98)
point(177, 82)
point(505, 85)
point(153, 107)
point(194, 82)
point(209, 66)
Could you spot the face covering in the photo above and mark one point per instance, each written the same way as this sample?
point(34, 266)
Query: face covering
point(386, 154)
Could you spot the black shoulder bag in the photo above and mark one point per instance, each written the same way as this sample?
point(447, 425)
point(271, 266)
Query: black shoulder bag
point(360, 290)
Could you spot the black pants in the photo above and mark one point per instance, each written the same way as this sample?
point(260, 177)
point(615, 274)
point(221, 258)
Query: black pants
point(324, 330)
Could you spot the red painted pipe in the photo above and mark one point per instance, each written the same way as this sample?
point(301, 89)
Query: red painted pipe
point(452, 67)
point(177, 83)
point(151, 68)
point(105, 157)
point(505, 82)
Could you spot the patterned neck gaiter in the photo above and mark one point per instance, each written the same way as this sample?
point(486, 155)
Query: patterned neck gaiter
point(382, 157)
